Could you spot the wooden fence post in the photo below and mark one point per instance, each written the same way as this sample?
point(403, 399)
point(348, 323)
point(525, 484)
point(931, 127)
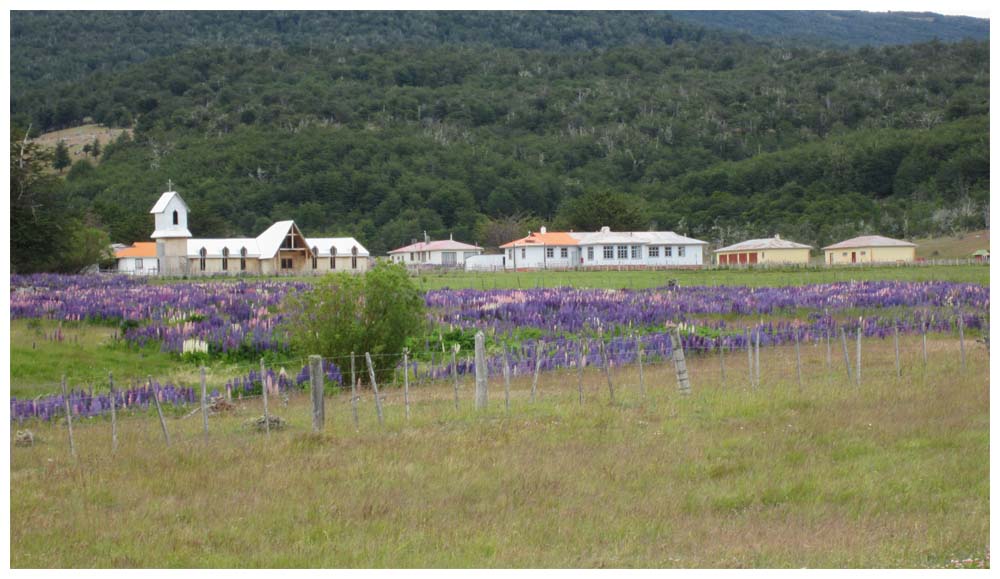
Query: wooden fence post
point(482, 394)
point(69, 417)
point(454, 371)
point(798, 359)
point(756, 356)
point(607, 368)
point(923, 340)
point(746, 336)
point(847, 357)
point(639, 354)
point(961, 338)
point(857, 372)
point(354, 395)
point(722, 361)
point(316, 384)
point(579, 369)
point(538, 367)
point(829, 351)
point(895, 344)
point(263, 392)
point(159, 410)
point(406, 381)
point(114, 414)
point(506, 379)
point(204, 402)
point(378, 399)
point(683, 380)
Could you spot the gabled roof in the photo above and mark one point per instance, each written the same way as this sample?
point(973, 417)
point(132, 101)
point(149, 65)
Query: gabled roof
point(343, 245)
point(606, 236)
point(138, 249)
point(161, 204)
point(269, 241)
point(442, 245)
point(214, 247)
point(870, 241)
point(540, 239)
point(767, 243)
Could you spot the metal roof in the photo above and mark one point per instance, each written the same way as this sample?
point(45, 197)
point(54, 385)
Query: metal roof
point(138, 249)
point(767, 243)
point(870, 241)
point(442, 245)
point(161, 203)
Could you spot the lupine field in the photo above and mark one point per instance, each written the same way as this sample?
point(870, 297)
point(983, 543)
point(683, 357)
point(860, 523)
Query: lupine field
point(815, 472)
point(562, 325)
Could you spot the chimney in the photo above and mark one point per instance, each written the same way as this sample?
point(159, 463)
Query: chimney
point(776, 236)
point(451, 237)
point(426, 239)
point(543, 230)
point(605, 229)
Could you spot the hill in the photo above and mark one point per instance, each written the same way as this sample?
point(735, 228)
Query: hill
point(712, 134)
point(840, 27)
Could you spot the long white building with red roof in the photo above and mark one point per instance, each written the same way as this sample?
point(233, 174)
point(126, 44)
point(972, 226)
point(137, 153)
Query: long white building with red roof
point(604, 249)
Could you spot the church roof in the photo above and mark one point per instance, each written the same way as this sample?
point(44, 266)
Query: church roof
point(161, 203)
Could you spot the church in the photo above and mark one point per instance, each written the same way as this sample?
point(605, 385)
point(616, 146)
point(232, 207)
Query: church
point(280, 250)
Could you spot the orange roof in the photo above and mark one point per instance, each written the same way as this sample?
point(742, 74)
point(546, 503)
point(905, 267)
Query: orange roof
point(138, 249)
point(549, 238)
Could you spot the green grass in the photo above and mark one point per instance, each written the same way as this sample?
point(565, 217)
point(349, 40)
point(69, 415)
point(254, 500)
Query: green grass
point(892, 474)
point(88, 352)
point(712, 277)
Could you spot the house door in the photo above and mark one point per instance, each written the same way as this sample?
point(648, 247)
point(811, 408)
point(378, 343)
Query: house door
point(854, 257)
point(753, 257)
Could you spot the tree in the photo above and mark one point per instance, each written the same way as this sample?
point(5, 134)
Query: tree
point(61, 160)
point(95, 148)
point(376, 313)
point(597, 209)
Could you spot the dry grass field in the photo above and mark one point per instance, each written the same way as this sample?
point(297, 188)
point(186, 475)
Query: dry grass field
point(956, 247)
point(77, 137)
point(894, 473)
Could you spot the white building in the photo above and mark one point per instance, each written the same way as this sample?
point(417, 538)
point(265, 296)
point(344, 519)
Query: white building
point(445, 253)
point(603, 249)
point(139, 259)
point(281, 249)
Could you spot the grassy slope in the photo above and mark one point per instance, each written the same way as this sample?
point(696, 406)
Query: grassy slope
point(77, 137)
point(894, 474)
point(957, 247)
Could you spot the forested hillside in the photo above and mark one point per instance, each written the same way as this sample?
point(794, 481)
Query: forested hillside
point(477, 125)
point(842, 27)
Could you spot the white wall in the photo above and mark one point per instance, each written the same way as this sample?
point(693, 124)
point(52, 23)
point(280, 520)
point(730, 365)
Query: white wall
point(131, 265)
point(693, 255)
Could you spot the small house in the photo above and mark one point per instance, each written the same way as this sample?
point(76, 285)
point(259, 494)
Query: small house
point(771, 250)
point(870, 249)
point(138, 259)
point(444, 253)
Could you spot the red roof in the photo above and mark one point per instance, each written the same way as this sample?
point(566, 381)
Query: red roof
point(548, 238)
point(138, 249)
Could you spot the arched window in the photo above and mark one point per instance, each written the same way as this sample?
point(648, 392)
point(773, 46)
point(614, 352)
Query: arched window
point(176, 218)
point(225, 259)
point(243, 259)
point(354, 257)
point(333, 257)
point(201, 258)
point(315, 258)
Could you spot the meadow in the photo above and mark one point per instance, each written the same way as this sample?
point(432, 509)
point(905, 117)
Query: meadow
point(894, 473)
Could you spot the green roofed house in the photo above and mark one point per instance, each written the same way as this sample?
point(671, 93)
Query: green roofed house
point(981, 255)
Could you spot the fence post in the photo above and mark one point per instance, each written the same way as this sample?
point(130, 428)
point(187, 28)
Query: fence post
point(406, 381)
point(204, 402)
point(756, 356)
point(69, 417)
point(454, 371)
point(482, 394)
point(961, 338)
point(354, 395)
point(895, 344)
point(114, 414)
point(607, 368)
point(378, 399)
point(506, 379)
point(579, 368)
point(722, 360)
point(316, 384)
point(159, 410)
point(923, 339)
point(639, 354)
point(847, 357)
point(746, 336)
point(798, 359)
point(683, 380)
point(263, 392)
point(857, 372)
point(538, 367)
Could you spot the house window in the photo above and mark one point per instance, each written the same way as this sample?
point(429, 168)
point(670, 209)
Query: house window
point(176, 218)
point(354, 257)
point(286, 263)
point(412, 256)
point(550, 252)
point(523, 252)
point(680, 251)
point(635, 252)
point(590, 253)
point(622, 252)
point(609, 252)
point(654, 251)
point(564, 252)
point(315, 251)
point(449, 258)
point(138, 263)
point(862, 253)
point(668, 251)
point(201, 258)
point(243, 259)
point(844, 254)
point(333, 257)
point(510, 254)
point(225, 259)
point(289, 242)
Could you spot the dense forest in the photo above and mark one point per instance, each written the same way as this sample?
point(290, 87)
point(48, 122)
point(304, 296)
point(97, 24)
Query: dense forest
point(385, 126)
